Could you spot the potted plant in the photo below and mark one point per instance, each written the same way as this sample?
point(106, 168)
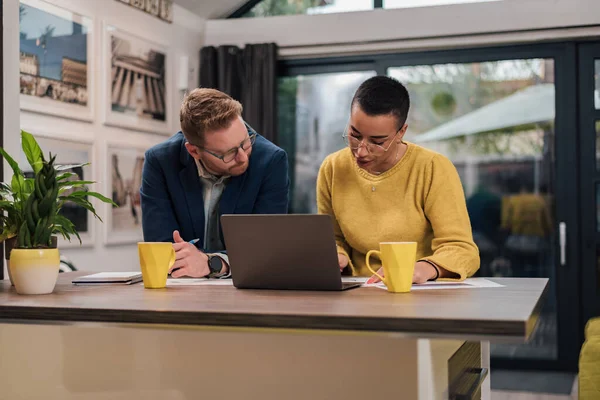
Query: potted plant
point(31, 217)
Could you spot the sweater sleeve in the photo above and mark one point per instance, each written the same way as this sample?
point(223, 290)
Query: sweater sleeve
point(325, 206)
point(445, 208)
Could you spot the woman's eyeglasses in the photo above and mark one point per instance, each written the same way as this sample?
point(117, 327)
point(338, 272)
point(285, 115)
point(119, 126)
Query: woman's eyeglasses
point(372, 148)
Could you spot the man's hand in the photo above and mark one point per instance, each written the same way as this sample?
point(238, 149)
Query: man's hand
point(189, 261)
point(423, 272)
point(342, 261)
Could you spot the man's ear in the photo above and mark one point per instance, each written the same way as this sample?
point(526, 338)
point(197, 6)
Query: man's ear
point(193, 150)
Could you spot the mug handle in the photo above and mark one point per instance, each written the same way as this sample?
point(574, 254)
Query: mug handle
point(172, 258)
point(369, 265)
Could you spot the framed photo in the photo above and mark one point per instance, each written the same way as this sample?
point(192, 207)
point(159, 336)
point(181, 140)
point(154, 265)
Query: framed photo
point(124, 178)
point(166, 10)
point(137, 83)
point(162, 9)
point(153, 7)
point(56, 66)
point(70, 152)
point(137, 3)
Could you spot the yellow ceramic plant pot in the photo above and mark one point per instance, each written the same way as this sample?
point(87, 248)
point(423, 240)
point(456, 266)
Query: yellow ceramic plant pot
point(9, 244)
point(34, 271)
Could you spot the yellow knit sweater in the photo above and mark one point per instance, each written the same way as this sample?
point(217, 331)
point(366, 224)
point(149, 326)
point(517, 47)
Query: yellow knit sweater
point(420, 199)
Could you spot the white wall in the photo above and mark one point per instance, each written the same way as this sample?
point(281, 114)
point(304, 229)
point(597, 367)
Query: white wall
point(10, 39)
point(460, 25)
point(183, 37)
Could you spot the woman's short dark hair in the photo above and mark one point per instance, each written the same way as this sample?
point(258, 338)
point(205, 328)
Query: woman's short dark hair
point(382, 95)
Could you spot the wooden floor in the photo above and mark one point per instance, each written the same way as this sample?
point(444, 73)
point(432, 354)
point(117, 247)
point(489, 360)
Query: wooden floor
point(497, 395)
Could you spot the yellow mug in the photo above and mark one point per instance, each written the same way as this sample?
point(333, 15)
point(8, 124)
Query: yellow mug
point(398, 259)
point(156, 258)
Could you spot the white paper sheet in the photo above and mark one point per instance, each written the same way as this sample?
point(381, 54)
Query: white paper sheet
point(471, 283)
point(355, 279)
point(198, 282)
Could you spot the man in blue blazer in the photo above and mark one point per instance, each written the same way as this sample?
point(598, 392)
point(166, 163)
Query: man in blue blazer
point(215, 165)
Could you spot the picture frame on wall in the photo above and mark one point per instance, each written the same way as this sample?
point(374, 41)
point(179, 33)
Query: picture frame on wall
point(162, 9)
point(152, 7)
point(137, 82)
point(124, 165)
point(166, 10)
point(56, 65)
point(69, 152)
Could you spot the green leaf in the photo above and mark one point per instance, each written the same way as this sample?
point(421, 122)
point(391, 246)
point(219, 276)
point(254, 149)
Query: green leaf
point(94, 194)
point(82, 202)
point(29, 186)
point(6, 194)
point(18, 185)
point(65, 176)
point(71, 184)
point(13, 164)
point(65, 227)
point(5, 204)
point(70, 166)
point(60, 229)
point(32, 151)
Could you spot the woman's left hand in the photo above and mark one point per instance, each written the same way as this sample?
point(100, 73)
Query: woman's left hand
point(423, 272)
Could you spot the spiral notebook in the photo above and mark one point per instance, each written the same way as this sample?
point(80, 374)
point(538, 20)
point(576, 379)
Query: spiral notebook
point(109, 278)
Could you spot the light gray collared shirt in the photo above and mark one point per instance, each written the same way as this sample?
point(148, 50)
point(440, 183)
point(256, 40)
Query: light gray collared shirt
point(212, 190)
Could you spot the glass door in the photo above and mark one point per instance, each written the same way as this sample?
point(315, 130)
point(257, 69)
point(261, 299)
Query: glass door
point(496, 122)
point(504, 123)
point(589, 130)
point(506, 119)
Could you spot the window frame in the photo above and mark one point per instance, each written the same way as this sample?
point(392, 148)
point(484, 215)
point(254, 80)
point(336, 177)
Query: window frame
point(249, 5)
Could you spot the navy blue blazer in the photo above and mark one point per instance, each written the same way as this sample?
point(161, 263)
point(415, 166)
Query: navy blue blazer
point(171, 192)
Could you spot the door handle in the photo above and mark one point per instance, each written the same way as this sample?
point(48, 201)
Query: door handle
point(562, 242)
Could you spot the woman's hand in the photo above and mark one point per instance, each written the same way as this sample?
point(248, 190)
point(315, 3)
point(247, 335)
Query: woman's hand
point(343, 261)
point(423, 272)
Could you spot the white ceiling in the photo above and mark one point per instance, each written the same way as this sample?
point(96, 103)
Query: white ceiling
point(211, 8)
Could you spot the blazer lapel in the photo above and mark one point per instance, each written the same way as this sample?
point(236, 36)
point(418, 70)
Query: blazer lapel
point(231, 194)
point(192, 187)
point(234, 187)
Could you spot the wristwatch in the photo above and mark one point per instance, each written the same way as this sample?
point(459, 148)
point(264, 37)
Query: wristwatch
point(215, 264)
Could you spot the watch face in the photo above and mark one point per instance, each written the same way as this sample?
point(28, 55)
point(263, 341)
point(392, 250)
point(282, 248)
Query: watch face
point(215, 264)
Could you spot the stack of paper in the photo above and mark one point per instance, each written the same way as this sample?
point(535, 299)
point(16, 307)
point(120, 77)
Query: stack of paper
point(471, 283)
point(109, 278)
point(198, 282)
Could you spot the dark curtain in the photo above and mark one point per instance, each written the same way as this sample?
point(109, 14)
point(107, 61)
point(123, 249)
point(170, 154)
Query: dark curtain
point(249, 76)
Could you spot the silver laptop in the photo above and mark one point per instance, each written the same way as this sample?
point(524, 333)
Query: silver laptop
point(282, 251)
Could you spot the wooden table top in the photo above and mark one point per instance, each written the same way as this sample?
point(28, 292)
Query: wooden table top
point(505, 312)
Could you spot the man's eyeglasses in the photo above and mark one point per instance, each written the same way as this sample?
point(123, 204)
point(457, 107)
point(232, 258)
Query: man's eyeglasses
point(372, 148)
point(229, 156)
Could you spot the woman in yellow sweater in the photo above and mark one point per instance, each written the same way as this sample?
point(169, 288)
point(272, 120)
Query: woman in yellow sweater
point(383, 189)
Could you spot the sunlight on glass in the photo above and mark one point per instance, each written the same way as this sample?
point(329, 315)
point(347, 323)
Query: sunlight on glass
point(313, 114)
point(426, 3)
point(269, 8)
point(597, 91)
point(598, 151)
point(338, 6)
